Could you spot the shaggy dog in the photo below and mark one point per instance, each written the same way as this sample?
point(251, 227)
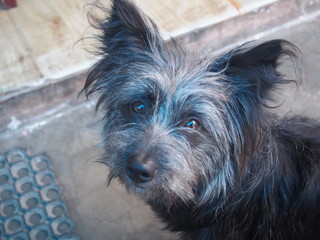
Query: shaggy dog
point(195, 137)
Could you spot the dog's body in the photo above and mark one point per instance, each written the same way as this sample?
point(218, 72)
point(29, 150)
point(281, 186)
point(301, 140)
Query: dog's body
point(194, 136)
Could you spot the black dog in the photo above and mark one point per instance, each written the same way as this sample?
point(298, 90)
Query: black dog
point(195, 137)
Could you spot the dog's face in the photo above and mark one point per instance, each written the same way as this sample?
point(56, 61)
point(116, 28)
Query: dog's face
point(176, 126)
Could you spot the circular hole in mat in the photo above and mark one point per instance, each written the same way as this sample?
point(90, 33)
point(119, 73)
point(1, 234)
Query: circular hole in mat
point(57, 211)
point(35, 218)
point(47, 179)
point(41, 164)
point(3, 179)
point(19, 238)
point(16, 157)
point(9, 210)
point(63, 227)
point(26, 187)
point(42, 235)
point(52, 194)
point(6, 194)
point(32, 202)
point(23, 172)
point(14, 225)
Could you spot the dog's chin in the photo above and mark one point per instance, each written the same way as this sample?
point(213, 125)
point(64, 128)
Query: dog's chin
point(152, 193)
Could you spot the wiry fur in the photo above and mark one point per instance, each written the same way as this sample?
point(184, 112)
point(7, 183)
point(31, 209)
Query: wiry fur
point(245, 173)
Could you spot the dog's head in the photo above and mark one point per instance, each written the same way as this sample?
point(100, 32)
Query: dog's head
point(176, 126)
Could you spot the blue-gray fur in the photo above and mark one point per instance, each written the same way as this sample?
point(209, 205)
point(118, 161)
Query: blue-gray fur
point(245, 173)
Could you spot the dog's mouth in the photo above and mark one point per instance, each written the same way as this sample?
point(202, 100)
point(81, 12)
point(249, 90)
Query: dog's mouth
point(138, 187)
point(131, 186)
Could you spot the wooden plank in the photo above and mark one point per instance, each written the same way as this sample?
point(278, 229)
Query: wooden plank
point(245, 6)
point(17, 67)
point(40, 36)
point(51, 28)
point(177, 17)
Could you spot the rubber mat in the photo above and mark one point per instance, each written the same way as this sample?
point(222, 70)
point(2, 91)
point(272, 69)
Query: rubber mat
point(31, 206)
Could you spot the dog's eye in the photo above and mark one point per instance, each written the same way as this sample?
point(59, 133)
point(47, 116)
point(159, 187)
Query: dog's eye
point(193, 124)
point(138, 107)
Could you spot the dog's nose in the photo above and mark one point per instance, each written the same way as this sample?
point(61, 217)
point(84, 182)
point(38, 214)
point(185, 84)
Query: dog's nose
point(140, 171)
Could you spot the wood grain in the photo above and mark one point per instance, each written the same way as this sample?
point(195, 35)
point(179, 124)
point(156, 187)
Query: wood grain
point(39, 39)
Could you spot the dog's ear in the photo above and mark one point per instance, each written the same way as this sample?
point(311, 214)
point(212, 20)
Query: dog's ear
point(248, 75)
point(127, 30)
point(126, 37)
point(253, 71)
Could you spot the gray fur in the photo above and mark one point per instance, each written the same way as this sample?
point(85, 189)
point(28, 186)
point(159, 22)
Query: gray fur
point(235, 176)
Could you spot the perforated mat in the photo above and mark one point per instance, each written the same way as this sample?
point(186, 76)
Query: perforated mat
point(31, 206)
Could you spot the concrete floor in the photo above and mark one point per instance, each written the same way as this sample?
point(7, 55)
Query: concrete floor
point(98, 212)
point(111, 213)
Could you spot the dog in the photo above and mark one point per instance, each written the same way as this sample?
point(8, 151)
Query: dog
point(196, 138)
